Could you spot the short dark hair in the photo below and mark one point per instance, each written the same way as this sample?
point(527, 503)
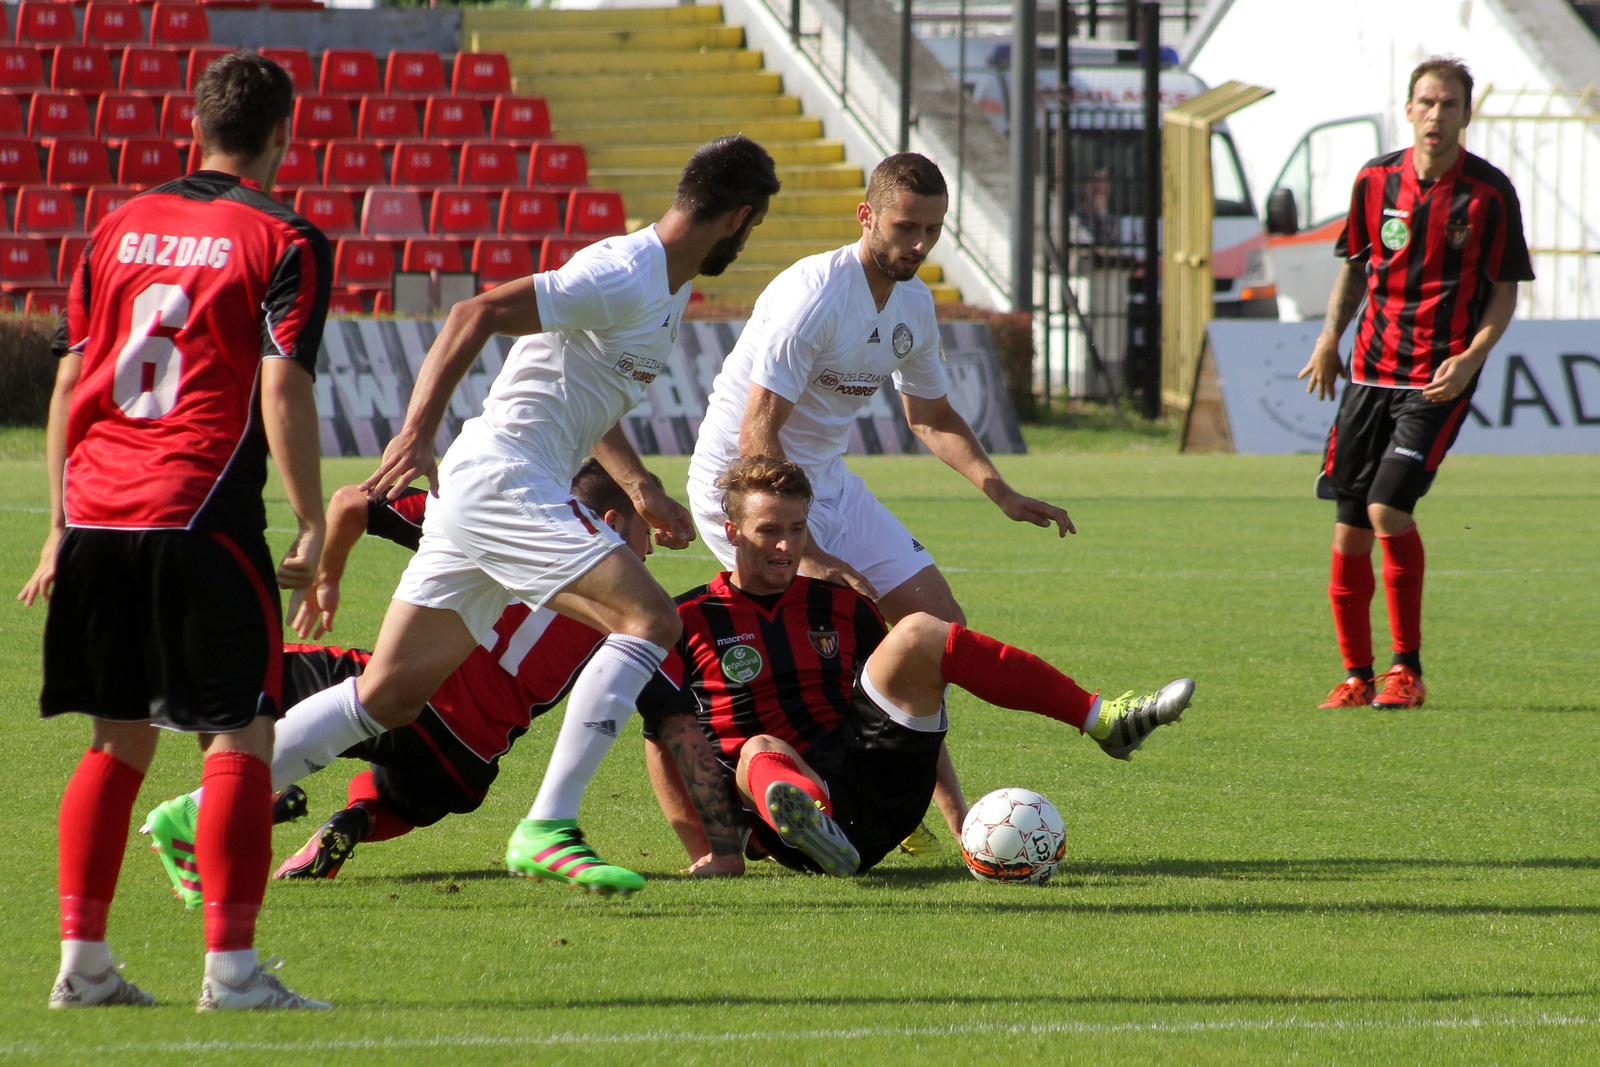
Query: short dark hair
point(906, 171)
point(599, 492)
point(728, 173)
point(761, 474)
point(1442, 67)
point(238, 100)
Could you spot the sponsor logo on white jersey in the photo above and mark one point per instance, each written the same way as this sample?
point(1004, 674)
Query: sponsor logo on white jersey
point(855, 383)
point(639, 368)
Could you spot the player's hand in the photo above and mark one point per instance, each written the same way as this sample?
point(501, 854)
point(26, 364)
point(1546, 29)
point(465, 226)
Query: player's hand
point(299, 564)
point(818, 564)
point(1451, 379)
point(44, 575)
point(671, 521)
point(311, 609)
point(1019, 508)
point(405, 459)
point(713, 866)
point(1324, 368)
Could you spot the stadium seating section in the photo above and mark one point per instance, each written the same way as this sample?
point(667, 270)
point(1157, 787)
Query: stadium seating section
point(410, 160)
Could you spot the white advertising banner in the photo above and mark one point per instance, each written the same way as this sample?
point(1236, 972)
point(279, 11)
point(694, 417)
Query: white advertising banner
point(1538, 393)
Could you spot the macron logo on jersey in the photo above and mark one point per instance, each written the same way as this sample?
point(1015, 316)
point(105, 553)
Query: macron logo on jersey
point(164, 250)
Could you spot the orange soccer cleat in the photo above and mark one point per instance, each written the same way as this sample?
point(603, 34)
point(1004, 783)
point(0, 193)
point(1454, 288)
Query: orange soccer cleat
point(1353, 692)
point(1402, 688)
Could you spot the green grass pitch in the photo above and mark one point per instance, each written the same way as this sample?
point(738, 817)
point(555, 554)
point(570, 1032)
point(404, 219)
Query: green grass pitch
point(1264, 883)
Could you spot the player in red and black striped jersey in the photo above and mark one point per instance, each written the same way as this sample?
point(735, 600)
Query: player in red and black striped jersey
point(187, 355)
point(790, 690)
point(1434, 244)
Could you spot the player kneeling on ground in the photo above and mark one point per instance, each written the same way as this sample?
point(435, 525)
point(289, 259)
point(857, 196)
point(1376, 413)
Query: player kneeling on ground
point(829, 724)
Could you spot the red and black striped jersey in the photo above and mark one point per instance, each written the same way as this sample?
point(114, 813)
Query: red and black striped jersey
point(783, 665)
point(182, 292)
point(1432, 253)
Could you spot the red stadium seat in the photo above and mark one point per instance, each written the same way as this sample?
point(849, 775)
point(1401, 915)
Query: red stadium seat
point(201, 58)
point(415, 75)
point(363, 266)
point(453, 119)
point(112, 22)
point(329, 210)
point(460, 213)
point(530, 213)
point(42, 22)
point(124, 115)
point(487, 164)
point(297, 63)
point(52, 301)
point(499, 260)
point(299, 167)
point(393, 214)
point(155, 71)
point(103, 200)
point(322, 118)
point(423, 164)
point(77, 163)
point(557, 165)
point(383, 302)
point(481, 74)
point(352, 165)
point(432, 254)
point(177, 116)
point(180, 25)
point(520, 120)
point(46, 211)
point(345, 304)
point(53, 115)
point(24, 264)
point(11, 123)
point(558, 250)
point(5, 27)
point(385, 120)
point(69, 256)
point(82, 68)
point(149, 161)
point(21, 70)
point(19, 164)
point(595, 213)
point(350, 72)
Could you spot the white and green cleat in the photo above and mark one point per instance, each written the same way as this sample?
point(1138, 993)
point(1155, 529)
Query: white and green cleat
point(1127, 721)
point(171, 826)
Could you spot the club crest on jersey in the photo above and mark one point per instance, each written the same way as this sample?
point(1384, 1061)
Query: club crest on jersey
point(826, 642)
point(639, 368)
point(901, 341)
point(1395, 234)
point(741, 663)
point(1456, 236)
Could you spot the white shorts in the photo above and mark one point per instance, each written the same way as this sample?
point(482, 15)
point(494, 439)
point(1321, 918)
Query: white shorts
point(853, 526)
point(500, 533)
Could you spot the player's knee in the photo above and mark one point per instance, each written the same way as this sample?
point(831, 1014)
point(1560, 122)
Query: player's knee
point(922, 632)
point(1388, 520)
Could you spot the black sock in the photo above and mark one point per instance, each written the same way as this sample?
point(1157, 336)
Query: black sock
point(1410, 659)
point(1364, 673)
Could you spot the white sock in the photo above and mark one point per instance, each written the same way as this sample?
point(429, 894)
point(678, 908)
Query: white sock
point(195, 796)
point(91, 958)
point(316, 730)
point(601, 703)
point(1091, 719)
point(231, 968)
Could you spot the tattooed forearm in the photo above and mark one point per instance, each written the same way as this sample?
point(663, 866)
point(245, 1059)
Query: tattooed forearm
point(1344, 300)
point(708, 781)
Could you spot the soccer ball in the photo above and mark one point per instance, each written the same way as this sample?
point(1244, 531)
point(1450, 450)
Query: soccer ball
point(1013, 835)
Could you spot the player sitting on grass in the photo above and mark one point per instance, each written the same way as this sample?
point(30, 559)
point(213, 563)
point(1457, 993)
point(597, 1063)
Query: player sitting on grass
point(445, 761)
point(830, 725)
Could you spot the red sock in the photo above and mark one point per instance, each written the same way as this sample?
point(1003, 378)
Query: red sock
point(382, 823)
point(1403, 564)
point(768, 767)
point(233, 847)
point(1008, 677)
point(95, 812)
point(1350, 589)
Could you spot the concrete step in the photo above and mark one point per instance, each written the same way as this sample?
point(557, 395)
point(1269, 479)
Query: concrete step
point(495, 19)
point(633, 84)
point(593, 135)
point(784, 153)
point(665, 179)
point(666, 38)
point(588, 63)
point(676, 108)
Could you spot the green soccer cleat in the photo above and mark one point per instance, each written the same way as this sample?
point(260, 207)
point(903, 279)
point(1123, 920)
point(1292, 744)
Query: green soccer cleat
point(554, 850)
point(171, 827)
point(1127, 721)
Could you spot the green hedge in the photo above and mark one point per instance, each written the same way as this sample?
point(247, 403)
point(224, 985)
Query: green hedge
point(27, 370)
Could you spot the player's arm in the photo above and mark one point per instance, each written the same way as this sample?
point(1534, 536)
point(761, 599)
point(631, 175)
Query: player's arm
point(1455, 374)
point(711, 789)
point(671, 521)
point(507, 309)
point(673, 796)
point(940, 426)
point(55, 451)
point(289, 416)
point(1325, 367)
point(346, 522)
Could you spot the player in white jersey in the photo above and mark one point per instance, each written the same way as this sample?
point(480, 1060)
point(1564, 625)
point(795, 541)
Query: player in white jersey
point(823, 338)
point(506, 527)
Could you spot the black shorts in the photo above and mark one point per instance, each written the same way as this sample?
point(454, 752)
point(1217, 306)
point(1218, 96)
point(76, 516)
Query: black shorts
point(175, 627)
point(1385, 447)
point(422, 771)
point(880, 778)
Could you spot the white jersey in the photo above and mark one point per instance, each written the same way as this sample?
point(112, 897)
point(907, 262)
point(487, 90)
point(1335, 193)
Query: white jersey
point(817, 338)
point(610, 321)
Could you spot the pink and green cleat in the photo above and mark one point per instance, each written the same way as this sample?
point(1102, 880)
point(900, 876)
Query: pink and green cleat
point(171, 827)
point(554, 850)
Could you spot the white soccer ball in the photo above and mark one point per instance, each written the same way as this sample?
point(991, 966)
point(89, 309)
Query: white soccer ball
point(1013, 835)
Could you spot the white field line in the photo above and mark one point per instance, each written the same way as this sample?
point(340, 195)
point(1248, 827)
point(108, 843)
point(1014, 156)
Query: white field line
point(650, 1037)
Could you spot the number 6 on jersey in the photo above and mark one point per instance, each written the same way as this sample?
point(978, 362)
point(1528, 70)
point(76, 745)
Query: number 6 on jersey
point(150, 365)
